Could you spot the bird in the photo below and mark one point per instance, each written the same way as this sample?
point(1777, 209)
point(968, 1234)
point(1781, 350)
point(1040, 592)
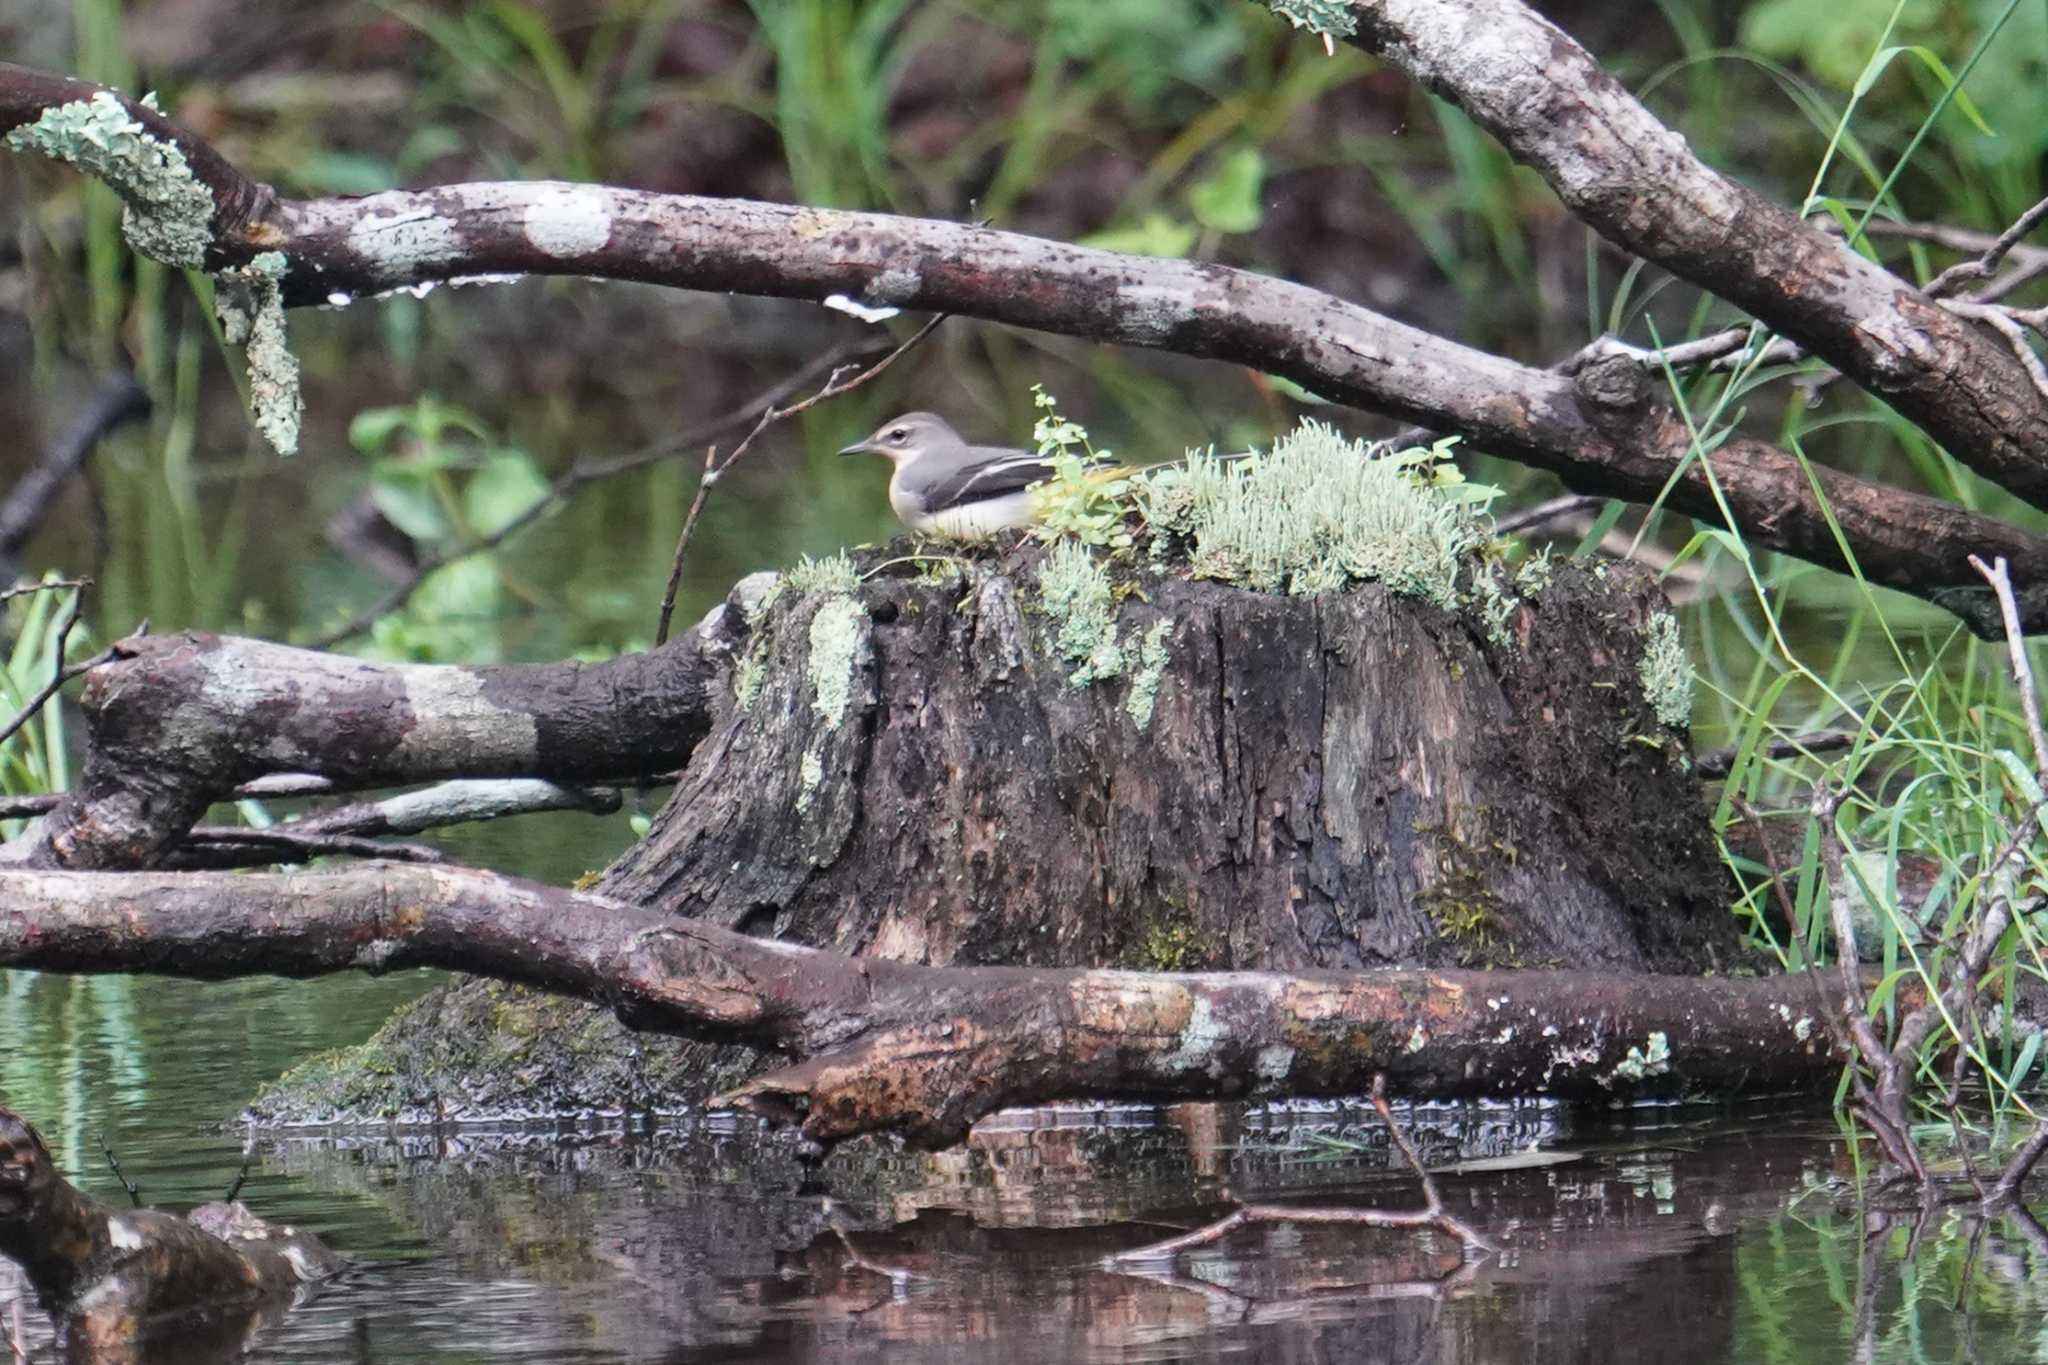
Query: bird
point(942, 484)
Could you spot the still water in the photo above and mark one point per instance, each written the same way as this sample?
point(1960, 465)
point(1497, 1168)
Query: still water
point(1652, 1235)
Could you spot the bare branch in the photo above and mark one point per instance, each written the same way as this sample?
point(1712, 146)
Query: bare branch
point(116, 403)
point(714, 470)
point(1603, 437)
point(580, 475)
point(1956, 276)
point(1637, 183)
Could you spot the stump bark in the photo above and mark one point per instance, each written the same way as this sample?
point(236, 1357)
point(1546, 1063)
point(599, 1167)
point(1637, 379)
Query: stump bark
point(910, 768)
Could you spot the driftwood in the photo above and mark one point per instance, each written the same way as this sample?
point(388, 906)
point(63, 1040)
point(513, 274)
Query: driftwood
point(924, 1051)
point(111, 1278)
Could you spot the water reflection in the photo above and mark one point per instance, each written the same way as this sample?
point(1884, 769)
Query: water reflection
point(1662, 1234)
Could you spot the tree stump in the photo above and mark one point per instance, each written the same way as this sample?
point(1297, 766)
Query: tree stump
point(938, 761)
point(1356, 779)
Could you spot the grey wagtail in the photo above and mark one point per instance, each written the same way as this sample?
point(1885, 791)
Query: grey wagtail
point(940, 483)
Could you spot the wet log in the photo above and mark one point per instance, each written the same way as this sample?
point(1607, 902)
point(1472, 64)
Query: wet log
point(878, 1045)
point(113, 1277)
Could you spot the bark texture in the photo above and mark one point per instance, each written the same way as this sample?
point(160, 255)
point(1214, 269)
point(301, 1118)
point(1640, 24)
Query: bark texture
point(881, 1046)
point(1352, 780)
point(908, 772)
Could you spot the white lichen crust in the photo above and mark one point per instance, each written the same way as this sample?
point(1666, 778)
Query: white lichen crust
point(1666, 672)
point(1081, 604)
point(1316, 513)
point(1152, 660)
point(169, 213)
point(251, 307)
point(1330, 18)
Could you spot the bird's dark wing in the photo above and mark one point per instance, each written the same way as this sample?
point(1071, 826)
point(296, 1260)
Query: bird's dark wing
point(1003, 472)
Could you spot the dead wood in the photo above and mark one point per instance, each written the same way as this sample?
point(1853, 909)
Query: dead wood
point(924, 1051)
point(1606, 435)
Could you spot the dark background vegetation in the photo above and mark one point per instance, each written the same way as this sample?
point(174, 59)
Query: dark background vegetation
point(1205, 128)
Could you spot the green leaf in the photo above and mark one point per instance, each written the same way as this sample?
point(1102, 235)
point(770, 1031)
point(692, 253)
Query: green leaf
point(1153, 235)
point(1934, 64)
point(1228, 200)
point(370, 429)
point(403, 495)
point(507, 485)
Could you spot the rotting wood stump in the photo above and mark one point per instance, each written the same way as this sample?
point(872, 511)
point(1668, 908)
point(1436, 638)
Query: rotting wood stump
point(936, 763)
point(1357, 779)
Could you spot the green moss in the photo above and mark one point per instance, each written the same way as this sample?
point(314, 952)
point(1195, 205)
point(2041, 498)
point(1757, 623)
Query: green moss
point(1081, 603)
point(1666, 672)
point(169, 213)
point(833, 573)
point(251, 308)
point(1152, 661)
point(835, 644)
point(1171, 942)
point(1318, 512)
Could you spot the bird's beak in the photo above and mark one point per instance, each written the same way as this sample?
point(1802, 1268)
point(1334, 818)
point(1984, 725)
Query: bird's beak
point(867, 447)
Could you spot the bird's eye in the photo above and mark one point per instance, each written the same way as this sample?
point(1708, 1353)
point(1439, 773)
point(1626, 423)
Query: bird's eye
point(898, 434)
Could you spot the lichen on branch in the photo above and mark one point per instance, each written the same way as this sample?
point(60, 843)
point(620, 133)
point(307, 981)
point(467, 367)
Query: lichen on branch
point(169, 213)
point(251, 308)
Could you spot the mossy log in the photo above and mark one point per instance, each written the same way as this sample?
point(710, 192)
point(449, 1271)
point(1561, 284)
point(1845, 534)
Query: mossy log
point(925, 761)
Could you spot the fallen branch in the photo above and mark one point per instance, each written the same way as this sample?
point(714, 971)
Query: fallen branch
point(1637, 183)
point(1432, 1214)
point(925, 1051)
point(1602, 434)
point(179, 721)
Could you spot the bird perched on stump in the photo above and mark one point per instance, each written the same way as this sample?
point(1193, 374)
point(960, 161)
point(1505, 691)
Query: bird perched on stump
point(944, 485)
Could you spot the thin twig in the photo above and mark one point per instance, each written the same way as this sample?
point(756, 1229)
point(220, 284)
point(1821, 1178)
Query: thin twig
point(59, 673)
point(2016, 1170)
point(114, 404)
point(216, 847)
point(114, 1164)
point(1716, 763)
point(1962, 273)
point(242, 1175)
point(17, 1344)
point(1543, 513)
point(2001, 321)
point(715, 469)
point(47, 585)
point(580, 474)
point(1431, 1215)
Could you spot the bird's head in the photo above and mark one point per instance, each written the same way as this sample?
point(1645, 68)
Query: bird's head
point(903, 439)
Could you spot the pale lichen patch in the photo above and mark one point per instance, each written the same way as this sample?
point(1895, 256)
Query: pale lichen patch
point(1645, 1062)
point(401, 243)
point(1319, 511)
point(169, 211)
point(1082, 606)
point(250, 302)
point(1196, 1047)
point(1666, 672)
point(573, 221)
point(835, 647)
point(1152, 660)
